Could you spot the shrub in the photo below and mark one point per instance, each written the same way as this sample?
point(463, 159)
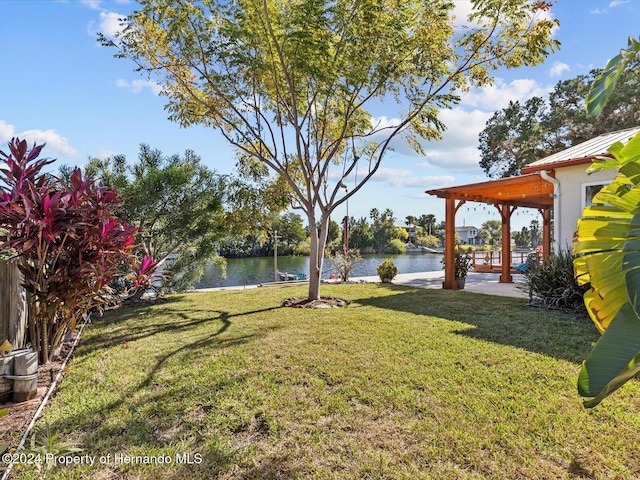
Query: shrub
point(70, 242)
point(344, 263)
point(387, 270)
point(551, 283)
point(395, 246)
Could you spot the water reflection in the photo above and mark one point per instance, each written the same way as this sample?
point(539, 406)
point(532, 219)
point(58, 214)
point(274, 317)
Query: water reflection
point(253, 271)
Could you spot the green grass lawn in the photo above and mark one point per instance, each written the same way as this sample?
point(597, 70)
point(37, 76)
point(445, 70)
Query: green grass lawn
point(404, 383)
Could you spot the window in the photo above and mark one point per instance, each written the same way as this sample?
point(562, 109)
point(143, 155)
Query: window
point(589, 190)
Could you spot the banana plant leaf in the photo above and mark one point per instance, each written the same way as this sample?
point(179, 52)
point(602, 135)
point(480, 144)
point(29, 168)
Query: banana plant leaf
point(606, 82)
point(607, 256)
point(614, 360)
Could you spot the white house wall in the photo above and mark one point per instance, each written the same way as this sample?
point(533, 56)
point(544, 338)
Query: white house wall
point(570, 203)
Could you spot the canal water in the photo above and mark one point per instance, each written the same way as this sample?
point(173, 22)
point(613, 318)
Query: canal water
point(256, 270)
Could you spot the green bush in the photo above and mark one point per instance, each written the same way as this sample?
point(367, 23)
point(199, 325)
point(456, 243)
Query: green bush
point(551, 283)
point(387, 270)
point(395, 247)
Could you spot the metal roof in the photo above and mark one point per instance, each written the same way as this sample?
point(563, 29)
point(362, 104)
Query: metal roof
point(583, 152)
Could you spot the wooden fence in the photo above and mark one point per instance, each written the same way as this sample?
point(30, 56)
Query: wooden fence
point(13, 305)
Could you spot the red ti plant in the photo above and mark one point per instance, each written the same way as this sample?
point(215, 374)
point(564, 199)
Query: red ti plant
point(69, 241)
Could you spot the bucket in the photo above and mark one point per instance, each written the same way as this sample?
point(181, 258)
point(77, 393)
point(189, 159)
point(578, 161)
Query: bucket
point(6, 384)
point(25, 379)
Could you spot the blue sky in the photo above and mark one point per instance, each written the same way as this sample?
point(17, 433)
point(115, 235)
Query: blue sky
point(57, 85)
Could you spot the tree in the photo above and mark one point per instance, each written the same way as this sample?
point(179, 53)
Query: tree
point(511, 139)
point(383, 228)
point(607, 251)
point(520, 134)
point(69, 240)
point(491, 232)
point(177, 205)
point(291, 84)
point(427, 221)
point(290, 229)
point(360, 235)
point(522, 238)
point(534, 227)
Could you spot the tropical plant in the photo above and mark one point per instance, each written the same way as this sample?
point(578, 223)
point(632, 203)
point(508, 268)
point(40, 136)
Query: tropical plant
point(387, 270)
point(69, 240)
point(551, 282)
point(607, 248)
point(291, 84)
point(463, 262)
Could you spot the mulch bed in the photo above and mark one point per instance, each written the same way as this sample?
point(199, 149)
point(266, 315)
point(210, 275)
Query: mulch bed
point(324, 302)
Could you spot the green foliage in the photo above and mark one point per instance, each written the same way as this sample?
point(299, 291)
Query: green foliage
point(430, 241)
point(463, 261)
point(291, 85)
point(360, 235)
point(177, 205)
point(522, 238)
point(606, 82)
point(608, 256)
point(395, 246)
point(387, 270)
point(491, 232)
point(521, 133)
point(551, 282)
point(383, 229)
point(69, 239)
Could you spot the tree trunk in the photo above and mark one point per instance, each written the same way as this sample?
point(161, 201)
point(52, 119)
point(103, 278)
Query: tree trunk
point(316, 255)
point(44, 340)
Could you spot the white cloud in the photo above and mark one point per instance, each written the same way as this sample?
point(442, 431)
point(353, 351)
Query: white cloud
point(499, 94)
point(136, 86)
point(617, 3)
point(93, 4)
point(465, 159)
point(558, 69)
point(461, 10)
point(402, 178)
point(110, 25)
point(104, 154)
point(55, 142)
point(7, 132)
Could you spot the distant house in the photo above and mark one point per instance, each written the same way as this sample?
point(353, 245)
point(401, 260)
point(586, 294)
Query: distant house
point(411, 230)
point(467, 235)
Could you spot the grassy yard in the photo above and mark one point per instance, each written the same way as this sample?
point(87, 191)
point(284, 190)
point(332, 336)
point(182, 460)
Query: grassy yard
point(404, 383)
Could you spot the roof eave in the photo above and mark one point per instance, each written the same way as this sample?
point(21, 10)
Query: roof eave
point(532, 168)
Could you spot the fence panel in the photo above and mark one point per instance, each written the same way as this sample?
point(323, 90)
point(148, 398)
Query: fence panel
point(13, 304)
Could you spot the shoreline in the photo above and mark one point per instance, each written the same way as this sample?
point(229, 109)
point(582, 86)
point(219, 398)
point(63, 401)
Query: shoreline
point(485, 283)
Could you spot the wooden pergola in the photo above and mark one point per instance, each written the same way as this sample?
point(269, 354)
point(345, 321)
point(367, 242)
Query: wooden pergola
point(506, 195)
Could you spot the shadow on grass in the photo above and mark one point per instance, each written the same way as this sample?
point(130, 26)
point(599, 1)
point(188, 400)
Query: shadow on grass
point(182, 322)
point(140, 430)
point(502, 320)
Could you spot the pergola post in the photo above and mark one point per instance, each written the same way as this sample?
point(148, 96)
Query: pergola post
point(505, 212)
point(546, 232)
point(450, 245)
